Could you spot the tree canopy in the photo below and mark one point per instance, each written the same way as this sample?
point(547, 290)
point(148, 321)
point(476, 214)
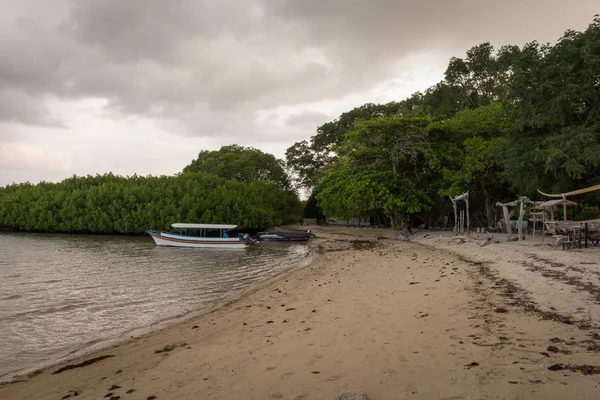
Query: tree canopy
point(500, 124)
point(379, 162)
point(244, 164)
point(129, 205)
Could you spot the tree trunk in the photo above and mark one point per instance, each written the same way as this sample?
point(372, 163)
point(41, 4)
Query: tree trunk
point(455, 216)
point(507, 220)
point(489, 208)
point(521, 215)
point(401, 223)
point(468, 215)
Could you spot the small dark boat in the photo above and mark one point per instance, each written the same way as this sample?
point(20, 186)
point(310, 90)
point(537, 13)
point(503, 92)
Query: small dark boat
point(283, 235)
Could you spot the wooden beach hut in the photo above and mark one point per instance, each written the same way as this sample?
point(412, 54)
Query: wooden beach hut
point(551, 204)
point(570, 231)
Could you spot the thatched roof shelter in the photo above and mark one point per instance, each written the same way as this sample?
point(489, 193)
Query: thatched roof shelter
point(552, 203)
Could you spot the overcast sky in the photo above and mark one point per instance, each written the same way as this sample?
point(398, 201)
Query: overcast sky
point(141, 86)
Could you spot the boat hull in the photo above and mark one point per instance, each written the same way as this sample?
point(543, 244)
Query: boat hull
point(278, 238)
point(169, 239)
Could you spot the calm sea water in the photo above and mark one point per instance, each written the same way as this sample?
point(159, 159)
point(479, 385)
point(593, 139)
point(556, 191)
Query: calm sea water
point(60, 294)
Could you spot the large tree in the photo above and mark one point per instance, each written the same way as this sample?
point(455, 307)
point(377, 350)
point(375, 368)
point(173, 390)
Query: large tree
point(244, 164)
point(304, 158)
point(379, 168)
point(465, 150)
point(481, 78)
point(554, 102)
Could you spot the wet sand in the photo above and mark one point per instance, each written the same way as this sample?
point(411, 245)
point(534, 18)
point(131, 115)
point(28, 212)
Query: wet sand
point(426, 319)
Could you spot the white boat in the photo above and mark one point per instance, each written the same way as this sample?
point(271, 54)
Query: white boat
point(222, 241)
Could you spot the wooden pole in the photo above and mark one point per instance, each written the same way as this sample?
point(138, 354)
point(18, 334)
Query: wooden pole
point(507, 220)
point(543, 224)
point(586, 235)
point(520, 227)
point(564, 209)
point(455, 216)
point(468, 218)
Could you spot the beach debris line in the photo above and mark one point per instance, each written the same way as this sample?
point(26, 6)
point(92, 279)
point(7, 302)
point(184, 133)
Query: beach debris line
point(581, 369)
point(82, 364)
point(111, 393)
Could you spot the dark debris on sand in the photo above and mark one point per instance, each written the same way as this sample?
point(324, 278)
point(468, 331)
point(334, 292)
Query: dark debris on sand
point(581, 369)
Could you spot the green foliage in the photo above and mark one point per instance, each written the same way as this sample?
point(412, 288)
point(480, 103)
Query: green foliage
point(588, 213)
point(311, 209)
point(378, 165)
point(465, 149)
point(480, 78)
point(305, 158)
point(348, 193)
point(114, 204)
point(386, 143)
point(554, 103)
point(244, 164)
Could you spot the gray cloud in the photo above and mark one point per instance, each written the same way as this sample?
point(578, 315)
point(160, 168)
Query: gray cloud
point(308, 118)
point(22, 108)
point(155, 56)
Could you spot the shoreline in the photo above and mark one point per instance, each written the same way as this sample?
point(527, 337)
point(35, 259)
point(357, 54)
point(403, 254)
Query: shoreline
point(422, 319)
point(90, 350)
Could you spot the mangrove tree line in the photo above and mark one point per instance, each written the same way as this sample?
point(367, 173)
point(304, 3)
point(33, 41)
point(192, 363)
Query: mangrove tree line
point(219, 187)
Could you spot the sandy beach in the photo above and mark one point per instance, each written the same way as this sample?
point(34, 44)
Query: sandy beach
point(425, 319)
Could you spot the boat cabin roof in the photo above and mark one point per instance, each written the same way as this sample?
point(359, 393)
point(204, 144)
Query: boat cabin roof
point(203, 226)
